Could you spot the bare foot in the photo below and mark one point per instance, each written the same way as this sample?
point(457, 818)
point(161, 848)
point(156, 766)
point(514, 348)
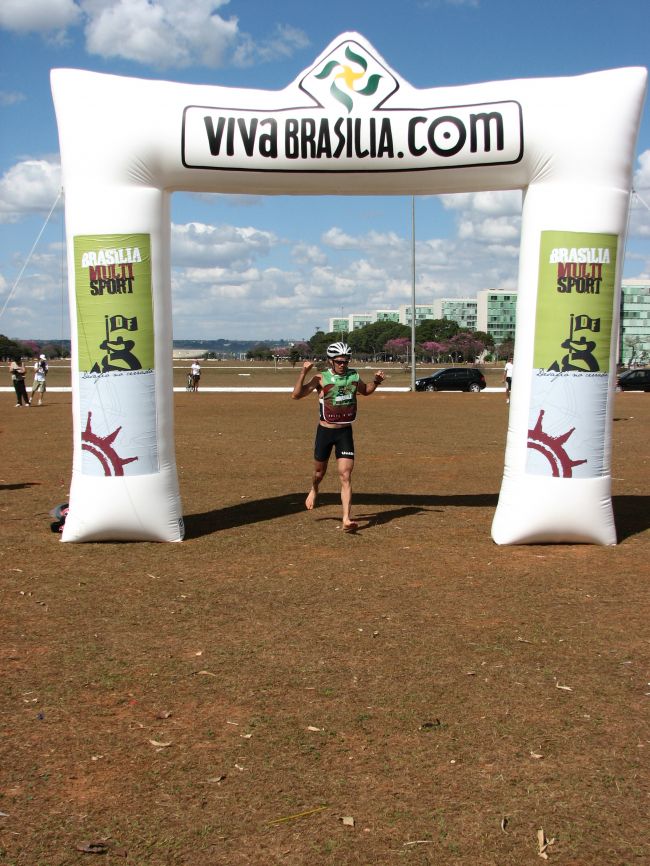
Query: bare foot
point(352, 526)
point(310, 501)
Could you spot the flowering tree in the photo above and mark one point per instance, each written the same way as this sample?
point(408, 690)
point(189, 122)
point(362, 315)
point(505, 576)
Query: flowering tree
point(398, 348)
point(465, 346)
point(33, 348)
point(303, 349)
point(434, 350)
point(299, 351)
point(504, 350)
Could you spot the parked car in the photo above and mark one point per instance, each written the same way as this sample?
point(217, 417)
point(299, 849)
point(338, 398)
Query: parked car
point(634, 380)
point(452, 379)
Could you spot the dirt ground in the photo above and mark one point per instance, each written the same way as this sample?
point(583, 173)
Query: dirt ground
point(272, 691)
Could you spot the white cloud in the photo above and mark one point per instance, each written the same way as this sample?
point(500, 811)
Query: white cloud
point(491, 220)
point(28, 16)
point(329, 283)
point(161, 33)
point(640, 213)
point(489, 230)
point(229, 246)
point(30, 186)
point(367, 273)
point(493, 203)
point(338, 239)
point(642, 176)
point(283, 43)
point(309, 254)
point(38, 307)
point(10, 97)
point(164, 33)
point(433, 253)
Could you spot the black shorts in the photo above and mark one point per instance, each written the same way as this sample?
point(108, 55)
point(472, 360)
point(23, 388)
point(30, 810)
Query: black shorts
point(339, 438)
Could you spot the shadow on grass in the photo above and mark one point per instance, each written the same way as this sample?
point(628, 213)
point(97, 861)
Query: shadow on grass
point(631, 515)
point(259, 510)
point(380, 518)
point(20, 486)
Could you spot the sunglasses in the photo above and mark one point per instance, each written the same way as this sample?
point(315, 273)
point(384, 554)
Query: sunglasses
point(341, 360)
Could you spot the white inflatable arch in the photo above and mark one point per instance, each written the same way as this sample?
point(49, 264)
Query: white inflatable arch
point(348, 125)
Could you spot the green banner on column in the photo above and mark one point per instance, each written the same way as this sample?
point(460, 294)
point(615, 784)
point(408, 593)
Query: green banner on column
point(571, 359)
point(575, 299)
point(114, 303)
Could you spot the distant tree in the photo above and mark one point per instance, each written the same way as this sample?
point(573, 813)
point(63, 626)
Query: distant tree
point(486, 339)
point(632, 343)
point(436, 330)
point(261, 352)
point(371, 339)
point(320, 341)
point(30, 348)
point(51, 350)
point(10, 350)
point(56, 349)
point(298, 352)
point(504, 350)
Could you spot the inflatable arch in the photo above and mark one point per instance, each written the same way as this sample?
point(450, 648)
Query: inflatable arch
point(348, 125)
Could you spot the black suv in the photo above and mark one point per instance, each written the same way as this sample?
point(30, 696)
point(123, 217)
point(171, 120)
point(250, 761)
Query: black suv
point(634, 380)
point(452, 379)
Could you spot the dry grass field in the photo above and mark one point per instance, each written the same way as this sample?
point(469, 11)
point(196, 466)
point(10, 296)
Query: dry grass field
point(273, 691)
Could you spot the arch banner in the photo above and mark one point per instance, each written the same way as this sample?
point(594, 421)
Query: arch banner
point(348, 125)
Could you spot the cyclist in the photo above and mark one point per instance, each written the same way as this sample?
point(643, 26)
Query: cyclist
point(337, 389)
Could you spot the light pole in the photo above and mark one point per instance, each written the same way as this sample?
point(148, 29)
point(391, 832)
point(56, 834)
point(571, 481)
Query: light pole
point(413, 293)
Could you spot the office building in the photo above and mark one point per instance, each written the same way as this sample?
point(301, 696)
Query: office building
point(345, 324)
point(634, 341)
point(459, 310)
point(422, 312)
point(496, 313)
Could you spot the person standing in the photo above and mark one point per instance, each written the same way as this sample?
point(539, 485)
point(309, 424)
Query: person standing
point(337, 389)
point(507, 377)
point(195, 373)
point(40, 372)
point(17, 369)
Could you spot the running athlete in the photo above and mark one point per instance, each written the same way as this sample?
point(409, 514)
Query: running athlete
point(337, 389)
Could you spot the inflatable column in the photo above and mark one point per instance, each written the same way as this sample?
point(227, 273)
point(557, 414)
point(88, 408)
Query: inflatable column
point(557, 476)
point(124, 469)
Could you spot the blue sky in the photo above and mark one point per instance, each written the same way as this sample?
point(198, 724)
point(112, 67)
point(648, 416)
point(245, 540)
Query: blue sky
point(322, 255)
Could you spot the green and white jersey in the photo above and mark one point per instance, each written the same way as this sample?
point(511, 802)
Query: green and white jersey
point(338, 397)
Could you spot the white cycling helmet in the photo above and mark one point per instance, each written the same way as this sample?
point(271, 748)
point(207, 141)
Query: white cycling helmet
point(334, 350)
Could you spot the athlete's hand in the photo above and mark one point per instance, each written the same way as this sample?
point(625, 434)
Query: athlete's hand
point(379, 375)
point(306, 366)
